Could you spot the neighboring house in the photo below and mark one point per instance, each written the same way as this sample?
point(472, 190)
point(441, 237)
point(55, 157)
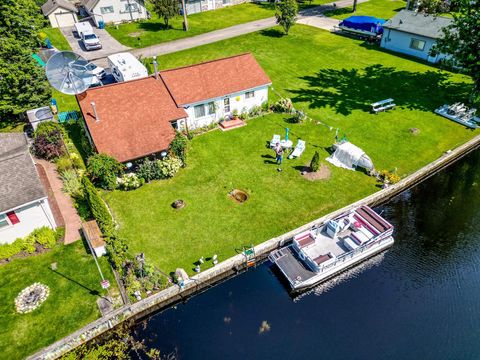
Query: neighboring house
point(196, 6)
point(213, 90)
point(414, 34)
point(60, 13)
point(115, 11)
point(134, 119)
point(23, 202)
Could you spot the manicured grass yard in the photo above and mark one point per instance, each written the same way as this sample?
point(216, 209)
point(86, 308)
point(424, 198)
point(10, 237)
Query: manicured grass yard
point(70, 305)
point(334, 79)
point(384, 9)
point(57, 39)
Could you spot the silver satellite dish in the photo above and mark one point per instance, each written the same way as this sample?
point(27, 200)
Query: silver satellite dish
point(67, 72)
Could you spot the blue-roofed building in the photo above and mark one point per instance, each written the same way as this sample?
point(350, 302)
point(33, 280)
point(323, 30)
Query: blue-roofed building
point(414, 34)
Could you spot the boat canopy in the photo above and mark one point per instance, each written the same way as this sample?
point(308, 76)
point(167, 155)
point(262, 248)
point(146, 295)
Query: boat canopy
point(364, 23)
point(349, 156)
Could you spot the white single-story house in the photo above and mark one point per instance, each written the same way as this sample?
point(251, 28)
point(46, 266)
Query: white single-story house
point(60, 13)
point(414, 34)
point(196, 6)
point(115, 11)
point(212, 91)
point(23, 201)
point(134, 119)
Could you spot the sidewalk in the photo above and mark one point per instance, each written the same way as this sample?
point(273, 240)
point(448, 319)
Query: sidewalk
point(71, 219)
point(313, 17)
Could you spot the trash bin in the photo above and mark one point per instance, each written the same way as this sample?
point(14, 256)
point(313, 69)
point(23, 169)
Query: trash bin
point(101, 24)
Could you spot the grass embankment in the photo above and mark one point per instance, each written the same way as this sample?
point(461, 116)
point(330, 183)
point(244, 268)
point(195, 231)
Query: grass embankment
point(57, 39)
point(332, 78)
point(74, 289)
point(383, 9)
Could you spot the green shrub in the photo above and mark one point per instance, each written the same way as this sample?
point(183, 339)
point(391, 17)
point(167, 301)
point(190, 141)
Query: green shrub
point(130, 181)
point(45, 237)
point(8, 250)
point(265, 106)
point(64, 163)
point(83, 209)
point(148, 170)
point(117, 251)
point(48, 142)
point(48, 127)
point(283, 106)
point(103, 170)
point(169, 166)
point(315, 163)
point(72, 184)
point(97, 206)
point(28, 244)
point(178, 147)
point(77, 161)
point(298, 117)
point(255, 111)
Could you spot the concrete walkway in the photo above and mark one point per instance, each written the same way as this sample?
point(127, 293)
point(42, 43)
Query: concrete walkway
point(313, 17)
point(72, 221)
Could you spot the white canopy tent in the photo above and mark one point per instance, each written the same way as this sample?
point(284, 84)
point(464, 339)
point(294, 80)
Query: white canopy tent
point(349, 156)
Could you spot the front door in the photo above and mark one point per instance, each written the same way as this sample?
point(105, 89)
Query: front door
point(226, 106)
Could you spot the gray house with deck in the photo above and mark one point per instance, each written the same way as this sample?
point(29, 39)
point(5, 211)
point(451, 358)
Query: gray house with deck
point(414, 34)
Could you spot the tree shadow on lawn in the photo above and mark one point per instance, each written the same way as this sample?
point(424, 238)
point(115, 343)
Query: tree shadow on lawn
point(355, 89)
point(274, 33)
point(155, 26)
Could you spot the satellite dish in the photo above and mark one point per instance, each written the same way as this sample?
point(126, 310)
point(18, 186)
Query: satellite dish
point(67, 72)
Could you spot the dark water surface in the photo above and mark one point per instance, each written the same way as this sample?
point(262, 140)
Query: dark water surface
point(419, 300)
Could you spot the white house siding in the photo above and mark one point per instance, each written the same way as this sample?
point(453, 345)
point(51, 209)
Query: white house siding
point(120, 13)
point(31, 217)
point(400, 41)
point(238, 102)
point(195, 6)
point(62, 18)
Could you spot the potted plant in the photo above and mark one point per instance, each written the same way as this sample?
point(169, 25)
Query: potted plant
point(235, 114)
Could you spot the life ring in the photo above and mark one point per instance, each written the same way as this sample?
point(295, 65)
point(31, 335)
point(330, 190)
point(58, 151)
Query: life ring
point(302, 256)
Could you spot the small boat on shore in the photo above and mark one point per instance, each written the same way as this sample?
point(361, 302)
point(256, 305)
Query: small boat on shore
point(460, 114)
point(321, 253)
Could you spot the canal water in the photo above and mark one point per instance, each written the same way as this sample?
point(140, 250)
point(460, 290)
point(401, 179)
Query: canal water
point(419, 300)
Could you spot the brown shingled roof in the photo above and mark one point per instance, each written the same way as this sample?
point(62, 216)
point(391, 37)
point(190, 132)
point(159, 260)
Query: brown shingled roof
point(212, 79)
point(134, 118)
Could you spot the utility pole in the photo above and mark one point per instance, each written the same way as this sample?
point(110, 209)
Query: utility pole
point(185, 21)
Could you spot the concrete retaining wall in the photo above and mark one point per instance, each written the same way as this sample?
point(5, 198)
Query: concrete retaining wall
point(232, 265)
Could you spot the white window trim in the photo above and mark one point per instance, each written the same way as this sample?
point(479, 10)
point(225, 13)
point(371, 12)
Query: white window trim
point(250, 92)
point(419, 40)
point(9, 224)
point(107, 12)
point(205, 109)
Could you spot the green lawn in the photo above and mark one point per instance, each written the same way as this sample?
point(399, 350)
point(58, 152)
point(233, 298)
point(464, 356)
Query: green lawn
point(74, 289)
point(332, 78)
point(384, 9)
point(57, 39)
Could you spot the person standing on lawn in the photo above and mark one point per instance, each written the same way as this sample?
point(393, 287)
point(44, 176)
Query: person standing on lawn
point(279, 153)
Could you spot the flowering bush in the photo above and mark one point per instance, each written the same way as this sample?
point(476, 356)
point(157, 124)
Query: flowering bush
point(169, 166)
point(31, 298)
point(283, 106)
point(103, 170)
point(130, 181)
point(148, 170)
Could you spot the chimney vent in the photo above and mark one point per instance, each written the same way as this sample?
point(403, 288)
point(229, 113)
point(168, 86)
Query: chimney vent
point(97, 119)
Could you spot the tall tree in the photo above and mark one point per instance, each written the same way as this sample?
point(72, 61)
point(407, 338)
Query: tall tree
point(21, 20)
point(354, 6)
point(461, 40)
point(22, 81)
point(286, 13)
point(165, 9)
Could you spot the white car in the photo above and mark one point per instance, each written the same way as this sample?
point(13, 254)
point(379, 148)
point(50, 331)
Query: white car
point(91, 41)
point(84, 69)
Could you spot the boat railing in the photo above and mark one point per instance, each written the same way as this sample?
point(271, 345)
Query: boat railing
point(351, 254)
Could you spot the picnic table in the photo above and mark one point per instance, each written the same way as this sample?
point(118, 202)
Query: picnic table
point(383, 105)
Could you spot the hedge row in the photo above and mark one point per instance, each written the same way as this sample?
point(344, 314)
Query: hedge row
point(98, 207)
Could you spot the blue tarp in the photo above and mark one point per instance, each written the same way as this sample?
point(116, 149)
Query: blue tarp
point(365, 23)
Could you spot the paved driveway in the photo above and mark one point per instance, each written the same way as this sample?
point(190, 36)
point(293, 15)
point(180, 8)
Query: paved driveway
point(109, 44)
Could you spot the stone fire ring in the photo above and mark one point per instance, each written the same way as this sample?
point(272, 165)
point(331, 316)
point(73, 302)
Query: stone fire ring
point(31, 298)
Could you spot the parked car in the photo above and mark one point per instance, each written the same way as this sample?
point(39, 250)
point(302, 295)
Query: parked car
point(88, 37)
point(126, 67)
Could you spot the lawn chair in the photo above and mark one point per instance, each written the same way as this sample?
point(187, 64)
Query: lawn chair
point(298, 149)
point(275, 140)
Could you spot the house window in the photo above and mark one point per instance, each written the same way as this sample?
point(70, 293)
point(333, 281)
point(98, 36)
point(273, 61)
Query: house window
point(199, 111)
point(211, 108)
point(417, 44)
point(3, 221)
point(132, 7)
point(249, 94)
point(226, 2)
point(226, 105)
point(106, 9)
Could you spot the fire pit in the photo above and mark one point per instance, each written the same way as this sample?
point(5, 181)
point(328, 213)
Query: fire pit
point(178, 204)
point(31, 298)
point(239, 196)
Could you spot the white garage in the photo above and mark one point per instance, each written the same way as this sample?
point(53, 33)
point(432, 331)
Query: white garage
point(61, 13)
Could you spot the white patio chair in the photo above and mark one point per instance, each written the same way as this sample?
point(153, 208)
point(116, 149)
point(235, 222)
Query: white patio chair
point(299, 149)
point(275, 140)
